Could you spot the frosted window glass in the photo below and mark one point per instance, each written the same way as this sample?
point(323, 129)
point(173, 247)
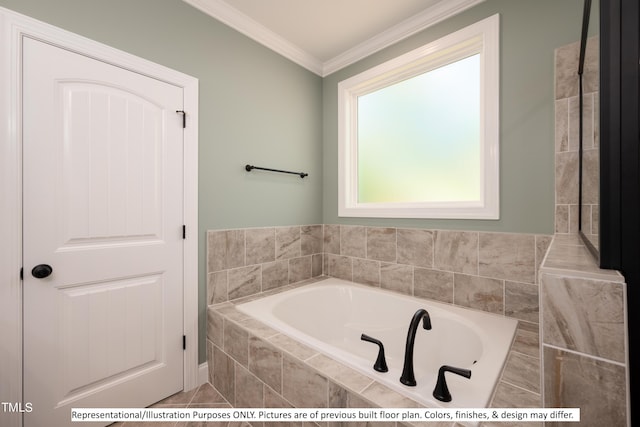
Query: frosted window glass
point(419, 139)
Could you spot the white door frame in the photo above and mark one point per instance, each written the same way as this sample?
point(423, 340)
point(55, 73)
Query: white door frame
point(13, 28)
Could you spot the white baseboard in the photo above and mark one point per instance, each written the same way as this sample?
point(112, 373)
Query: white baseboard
point(203, 373)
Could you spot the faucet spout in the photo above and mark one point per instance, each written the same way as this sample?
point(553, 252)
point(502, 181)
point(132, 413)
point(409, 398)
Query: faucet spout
point(408, 377)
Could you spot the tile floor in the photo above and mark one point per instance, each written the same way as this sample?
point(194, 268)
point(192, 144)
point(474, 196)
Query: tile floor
point(204, 396)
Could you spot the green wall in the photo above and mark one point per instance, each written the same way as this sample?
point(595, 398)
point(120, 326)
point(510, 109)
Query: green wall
point(255, 107)
point(530, 31)
point(258, 107)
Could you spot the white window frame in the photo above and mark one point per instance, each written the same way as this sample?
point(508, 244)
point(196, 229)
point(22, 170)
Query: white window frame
point(482, 37)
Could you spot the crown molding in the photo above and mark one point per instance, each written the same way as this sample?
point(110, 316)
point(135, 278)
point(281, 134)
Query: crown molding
point(240, 22)
point(223, 12)
point(410, 26)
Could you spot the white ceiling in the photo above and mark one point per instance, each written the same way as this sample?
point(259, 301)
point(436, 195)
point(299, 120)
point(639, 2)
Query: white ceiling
point(327, 35)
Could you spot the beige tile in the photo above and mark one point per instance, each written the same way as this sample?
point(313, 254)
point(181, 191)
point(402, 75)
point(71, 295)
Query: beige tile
point(574, 123)
point(339, 372)
point(542, 246)
point(456, 251)
point(596, 387)
point(574, 215)
point(338, 396)
point(591, 72)
point(381, 244)
point(562, 219)
point(595, 219)
point(366, 272)
point(355, 400)
point(265, 361)
point(584, 315)
point(590, 176)
point(588, 110)
point(311, 239)
point(479, 292)
point(215, 326)
point(260, 245)
point(596, 119)
point(303, 387)
point(353, 241)
point(316, 265)
point(562, 125)
point(244, 281)
point(209, 361)
point(522, 371)
point(230, 311)
point(340, 267)
point(566, 62)
point(527, 339)
point(236, 342)
point(508, 256)
point(225, 249)
point(217, 287)
point(521, 301)
point(287, 242)
point(509, 396)
point(207, 394)
point(585, 226)
point(272, 399)
point(275, 275)
point(300, 269)
point(292, 346)
point(433, 284)
point(415, 247)
point(331, 240)
point(249, 389)
point(566, 173)
point(397, 278)
point(224, 374)
point(258, 328)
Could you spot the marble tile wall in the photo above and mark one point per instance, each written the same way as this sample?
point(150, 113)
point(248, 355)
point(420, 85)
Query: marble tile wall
point(567, 131)
point(248, 261)
point(583, 327)
point(494, 272)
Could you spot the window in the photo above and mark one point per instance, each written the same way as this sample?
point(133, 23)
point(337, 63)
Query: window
point(418, 135)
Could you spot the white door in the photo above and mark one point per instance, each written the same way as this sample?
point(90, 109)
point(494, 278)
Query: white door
point(103, 208)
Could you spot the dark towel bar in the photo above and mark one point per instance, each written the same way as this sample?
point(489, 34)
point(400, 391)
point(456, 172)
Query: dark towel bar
point(249, 168)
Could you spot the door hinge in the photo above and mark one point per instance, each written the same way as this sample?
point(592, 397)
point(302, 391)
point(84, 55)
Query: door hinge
point(184, 342)
point(184, 232)
point(184, 118)
point(21, 273)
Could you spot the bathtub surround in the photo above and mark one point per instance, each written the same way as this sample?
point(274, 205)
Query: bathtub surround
point(443, 265)
point(494, 272)
point(583, 329)
point(253, 365)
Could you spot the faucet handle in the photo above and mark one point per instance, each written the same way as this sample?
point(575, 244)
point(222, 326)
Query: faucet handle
point(441, 392)
point(381, 363)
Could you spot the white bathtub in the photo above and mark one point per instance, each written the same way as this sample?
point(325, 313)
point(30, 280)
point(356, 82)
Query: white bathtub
point(331, 315)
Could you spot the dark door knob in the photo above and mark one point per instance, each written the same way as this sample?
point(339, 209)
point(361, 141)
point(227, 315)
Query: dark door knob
point(41, 271)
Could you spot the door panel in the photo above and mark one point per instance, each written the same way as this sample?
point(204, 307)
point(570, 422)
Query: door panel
point(103, 197)
point(113, 155)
